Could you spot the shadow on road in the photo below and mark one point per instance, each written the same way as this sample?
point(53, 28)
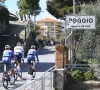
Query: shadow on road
point(45, 51)
point(40, 67)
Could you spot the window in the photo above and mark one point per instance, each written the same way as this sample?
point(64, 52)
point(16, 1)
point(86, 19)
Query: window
point(45, 33)
point(52, 24)
point(52, 29)
point(45, 28)
point(46, 24)
point(51, 34)
point(41, 33)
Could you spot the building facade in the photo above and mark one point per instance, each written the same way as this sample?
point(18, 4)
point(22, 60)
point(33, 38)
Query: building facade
point(49, 28)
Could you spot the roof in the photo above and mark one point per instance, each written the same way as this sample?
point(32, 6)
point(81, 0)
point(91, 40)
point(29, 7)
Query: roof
point(48, 20)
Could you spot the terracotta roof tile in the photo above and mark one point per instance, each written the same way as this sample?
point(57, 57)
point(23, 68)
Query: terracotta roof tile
point(48, 20)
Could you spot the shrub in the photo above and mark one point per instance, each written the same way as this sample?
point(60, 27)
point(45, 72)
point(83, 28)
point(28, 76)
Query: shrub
point(88, 75)
point(74, 76)
point(77, 76)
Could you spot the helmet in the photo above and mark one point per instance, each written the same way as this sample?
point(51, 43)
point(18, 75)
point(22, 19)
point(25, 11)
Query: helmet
point(18, 44)
point(32, 46)
point(7, 46)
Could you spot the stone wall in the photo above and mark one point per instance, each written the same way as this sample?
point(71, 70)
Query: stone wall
point(86, 85)
point(61, 55)
point(58, 79)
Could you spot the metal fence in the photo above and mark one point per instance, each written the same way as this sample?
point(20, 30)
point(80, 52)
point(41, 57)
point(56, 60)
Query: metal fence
point(44, 82)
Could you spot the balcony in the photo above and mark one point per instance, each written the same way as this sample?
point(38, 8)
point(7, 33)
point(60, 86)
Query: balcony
point(59, 30)
point(58, 35)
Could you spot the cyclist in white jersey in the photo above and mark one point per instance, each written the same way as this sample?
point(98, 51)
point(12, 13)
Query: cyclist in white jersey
point(19, 52)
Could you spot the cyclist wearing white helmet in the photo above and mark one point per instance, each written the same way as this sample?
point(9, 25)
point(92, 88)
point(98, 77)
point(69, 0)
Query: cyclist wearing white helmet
point(6, 59)
point(19, 52)
point(32, 53)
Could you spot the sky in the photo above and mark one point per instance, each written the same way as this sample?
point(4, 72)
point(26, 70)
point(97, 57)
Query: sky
point(12, 7)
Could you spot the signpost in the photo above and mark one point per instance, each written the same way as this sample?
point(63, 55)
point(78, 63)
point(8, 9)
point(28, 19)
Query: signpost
point(80, 22)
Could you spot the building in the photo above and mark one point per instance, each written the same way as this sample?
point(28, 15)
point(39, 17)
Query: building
point(49, 28)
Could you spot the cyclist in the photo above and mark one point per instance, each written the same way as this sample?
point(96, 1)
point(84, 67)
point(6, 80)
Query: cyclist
point(19, 52)
point(6, 59)
point(32, 53)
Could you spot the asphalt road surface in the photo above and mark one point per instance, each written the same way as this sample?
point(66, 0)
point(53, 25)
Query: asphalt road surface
point(47, 60)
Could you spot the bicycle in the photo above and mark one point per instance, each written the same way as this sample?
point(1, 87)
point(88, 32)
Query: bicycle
point(6, 77)
point(32, 70)
point(15, 64)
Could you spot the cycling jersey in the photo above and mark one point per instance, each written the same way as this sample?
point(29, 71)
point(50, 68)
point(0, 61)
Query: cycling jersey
point(18, 49)
point(6, 58)
point(19, 52)
point(32, 53)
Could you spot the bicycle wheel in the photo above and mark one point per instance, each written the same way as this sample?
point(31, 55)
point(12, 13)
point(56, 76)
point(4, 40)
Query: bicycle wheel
point(34, 72)
point(5, 80)
point(15, 73)
point(14, 78)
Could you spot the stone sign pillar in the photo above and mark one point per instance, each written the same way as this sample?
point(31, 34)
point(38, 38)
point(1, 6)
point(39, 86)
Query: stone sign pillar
point(61, 55)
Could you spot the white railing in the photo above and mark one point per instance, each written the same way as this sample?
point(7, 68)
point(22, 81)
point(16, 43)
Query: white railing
point(44, 82)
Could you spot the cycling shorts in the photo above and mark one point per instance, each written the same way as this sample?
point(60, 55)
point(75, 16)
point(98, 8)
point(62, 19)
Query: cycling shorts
point(29, 59)
point(18, 56)
point(7, 61)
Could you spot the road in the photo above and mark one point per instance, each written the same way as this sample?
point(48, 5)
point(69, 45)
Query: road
point(47, 60)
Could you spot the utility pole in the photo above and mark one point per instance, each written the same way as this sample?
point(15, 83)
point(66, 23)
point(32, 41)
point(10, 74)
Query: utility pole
point(73, 7)
point(72, 43)
point(70, 39)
